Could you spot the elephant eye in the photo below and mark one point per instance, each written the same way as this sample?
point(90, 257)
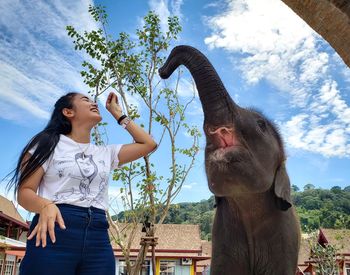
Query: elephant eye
point(262, 125)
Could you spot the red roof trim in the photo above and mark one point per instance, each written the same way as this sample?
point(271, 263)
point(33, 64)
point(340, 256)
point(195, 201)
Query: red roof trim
point(12, 247)
point(165, 250)
point(197, 258)
point(322, 240)
point(18, 253)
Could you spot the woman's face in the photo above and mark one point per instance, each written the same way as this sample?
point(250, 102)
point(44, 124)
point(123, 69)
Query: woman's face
point(85, 109)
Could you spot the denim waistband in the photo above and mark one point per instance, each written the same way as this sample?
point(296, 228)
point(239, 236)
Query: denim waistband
point(80, 208)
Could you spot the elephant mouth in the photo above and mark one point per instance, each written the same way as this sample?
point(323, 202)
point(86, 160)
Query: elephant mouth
point(224, 137)
point(224, 145)
point(227, 154)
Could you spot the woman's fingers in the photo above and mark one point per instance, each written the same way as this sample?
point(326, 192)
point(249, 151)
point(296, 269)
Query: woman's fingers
point(43, 233)
point(110, 96)
point(51, 229)
point(32, 234)
point(60, 220)
point(109, 99)
point(46, 225)
point(115, 98)
point(38, 237)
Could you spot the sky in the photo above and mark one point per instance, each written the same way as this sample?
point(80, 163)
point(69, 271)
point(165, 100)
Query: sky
point(266, 56)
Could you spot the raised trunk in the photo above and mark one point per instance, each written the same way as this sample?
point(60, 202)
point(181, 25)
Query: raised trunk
point(216, 101)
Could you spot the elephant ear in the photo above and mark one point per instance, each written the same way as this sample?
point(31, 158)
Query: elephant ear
point(282, 188)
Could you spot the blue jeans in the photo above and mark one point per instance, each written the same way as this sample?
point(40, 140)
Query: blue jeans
point(82, 248)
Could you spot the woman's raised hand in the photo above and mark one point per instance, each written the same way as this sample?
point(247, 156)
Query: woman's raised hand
point(112, 105)
point(46, 223)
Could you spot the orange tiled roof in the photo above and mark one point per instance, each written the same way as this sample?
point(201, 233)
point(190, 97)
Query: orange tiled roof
point(304, 251)
point(206, 251)
point(8, 208)
point(170, 236)
point(338, 237)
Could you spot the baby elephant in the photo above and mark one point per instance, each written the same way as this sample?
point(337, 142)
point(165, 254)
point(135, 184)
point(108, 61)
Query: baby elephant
point(255, 230)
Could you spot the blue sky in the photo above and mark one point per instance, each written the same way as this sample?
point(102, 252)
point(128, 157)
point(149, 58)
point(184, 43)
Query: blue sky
point(267, 57)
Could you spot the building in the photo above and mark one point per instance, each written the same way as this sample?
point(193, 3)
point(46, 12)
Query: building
point(340, 238)
point(13, 232)
point(203, 267)
point(178, 250)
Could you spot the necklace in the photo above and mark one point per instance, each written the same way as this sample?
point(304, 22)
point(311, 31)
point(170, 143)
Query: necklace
point(82, 151)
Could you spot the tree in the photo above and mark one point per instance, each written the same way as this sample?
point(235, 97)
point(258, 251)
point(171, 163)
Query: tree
point(336, 189)
point(309, 186)
point(130, 67)
point(295, 188)
point(324, 255)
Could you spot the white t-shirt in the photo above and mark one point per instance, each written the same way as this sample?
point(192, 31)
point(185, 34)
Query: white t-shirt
point(76, 178)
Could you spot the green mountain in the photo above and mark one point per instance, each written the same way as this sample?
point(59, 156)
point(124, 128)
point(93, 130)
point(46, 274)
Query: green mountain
point(315, 208)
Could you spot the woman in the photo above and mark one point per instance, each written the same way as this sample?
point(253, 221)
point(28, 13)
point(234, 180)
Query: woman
point(62, 177)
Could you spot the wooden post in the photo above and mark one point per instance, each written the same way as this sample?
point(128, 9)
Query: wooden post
point(3, 265)
point(151, 241)
point(154, 268)
point(8, 230)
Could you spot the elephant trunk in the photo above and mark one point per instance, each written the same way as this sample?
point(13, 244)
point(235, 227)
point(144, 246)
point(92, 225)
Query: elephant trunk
point(216, 101)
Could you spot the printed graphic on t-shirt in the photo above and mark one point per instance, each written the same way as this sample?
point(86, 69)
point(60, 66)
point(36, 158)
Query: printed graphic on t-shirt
point(84, 170)
point(78, 178)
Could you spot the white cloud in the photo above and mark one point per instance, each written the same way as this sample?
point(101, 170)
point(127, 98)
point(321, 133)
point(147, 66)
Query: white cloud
point(325, 128)
point(164, 10)
point(270, 42)
point(186, 88)
point(195, 109)
point(189, 185)
point(38, 62)
point(176, 7)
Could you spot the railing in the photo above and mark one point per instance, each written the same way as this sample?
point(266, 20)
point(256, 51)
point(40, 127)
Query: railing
point(7, 268)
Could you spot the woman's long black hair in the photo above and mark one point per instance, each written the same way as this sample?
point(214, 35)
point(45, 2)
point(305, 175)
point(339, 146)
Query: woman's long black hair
point(45, 143)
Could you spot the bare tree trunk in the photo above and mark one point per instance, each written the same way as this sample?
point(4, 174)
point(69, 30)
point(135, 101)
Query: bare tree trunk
point(136, 268)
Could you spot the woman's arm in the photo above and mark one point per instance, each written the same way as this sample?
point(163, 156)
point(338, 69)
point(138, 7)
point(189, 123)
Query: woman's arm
point(27, 193)
point(144, 143)
point(49, 212)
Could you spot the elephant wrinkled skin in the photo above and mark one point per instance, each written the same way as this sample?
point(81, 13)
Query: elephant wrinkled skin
point(255, 231)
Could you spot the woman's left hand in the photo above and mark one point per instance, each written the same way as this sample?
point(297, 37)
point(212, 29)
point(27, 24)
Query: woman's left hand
point(112, 105)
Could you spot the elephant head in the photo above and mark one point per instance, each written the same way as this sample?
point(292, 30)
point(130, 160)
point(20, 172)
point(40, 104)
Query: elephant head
point(244, 152)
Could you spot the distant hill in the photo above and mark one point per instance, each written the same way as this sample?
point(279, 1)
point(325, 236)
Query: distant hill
point(323, 208)
point(315, 207)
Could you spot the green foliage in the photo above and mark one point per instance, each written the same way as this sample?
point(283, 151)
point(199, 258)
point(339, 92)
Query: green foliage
point(201, 213)
point(324, 256)
point(332, 211)
point(295, 188)
point(128, 65)
point(323, 208)
point(315, 207)
point(309, 186)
